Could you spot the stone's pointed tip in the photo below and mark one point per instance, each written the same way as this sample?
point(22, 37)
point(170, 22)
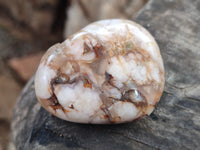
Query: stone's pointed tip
point(109, 72)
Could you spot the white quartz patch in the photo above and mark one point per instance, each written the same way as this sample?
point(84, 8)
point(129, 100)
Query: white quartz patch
point(123, 111)
point(136, 69)
point(85, 101)
point(122, 69)
point(117, 70)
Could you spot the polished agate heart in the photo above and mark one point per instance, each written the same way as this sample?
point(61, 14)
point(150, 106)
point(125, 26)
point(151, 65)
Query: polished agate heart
point(111, 71)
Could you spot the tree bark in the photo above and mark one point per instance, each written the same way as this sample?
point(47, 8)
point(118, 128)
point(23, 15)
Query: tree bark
point(174, 124)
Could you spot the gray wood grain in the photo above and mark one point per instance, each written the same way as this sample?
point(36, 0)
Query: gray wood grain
point(175, 123)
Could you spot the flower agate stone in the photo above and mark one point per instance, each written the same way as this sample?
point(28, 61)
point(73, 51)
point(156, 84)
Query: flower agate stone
point(111, 71)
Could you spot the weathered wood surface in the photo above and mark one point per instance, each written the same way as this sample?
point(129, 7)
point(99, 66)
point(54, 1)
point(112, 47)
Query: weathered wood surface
point(175, 123)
